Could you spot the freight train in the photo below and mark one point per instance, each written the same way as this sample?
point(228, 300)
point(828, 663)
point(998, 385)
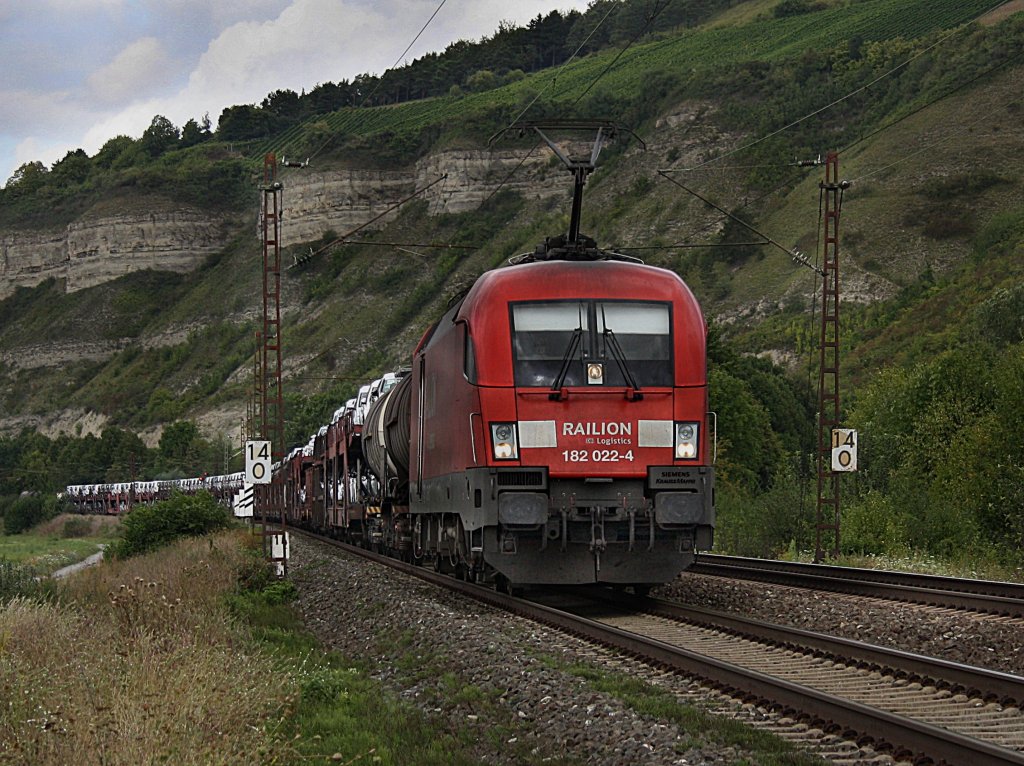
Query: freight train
point(551, 428)
point(120, 497)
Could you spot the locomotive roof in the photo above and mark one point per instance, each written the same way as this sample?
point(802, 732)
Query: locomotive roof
point(485, 307)
point(560, 280)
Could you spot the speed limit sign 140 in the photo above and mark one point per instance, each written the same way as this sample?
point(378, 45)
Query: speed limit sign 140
point(257, 462)
point(844, 449)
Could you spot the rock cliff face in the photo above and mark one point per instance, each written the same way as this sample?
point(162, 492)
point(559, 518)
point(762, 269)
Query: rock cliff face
point(340, 200)
point(91, 251)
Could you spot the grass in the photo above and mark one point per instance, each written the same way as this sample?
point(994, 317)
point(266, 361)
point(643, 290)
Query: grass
point(193, 655)
point(138, 662)
point(344, 712)
point(64, 540)
point(341, 713)
point(924, 563)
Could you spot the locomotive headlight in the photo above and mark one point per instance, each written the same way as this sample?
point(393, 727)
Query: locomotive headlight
point(687, 440)
point(595, 373)
point(503, 438)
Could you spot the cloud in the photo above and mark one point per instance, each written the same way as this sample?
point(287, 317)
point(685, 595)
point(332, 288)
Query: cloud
point(22, 111)
point(74, 81)
point(142, 67)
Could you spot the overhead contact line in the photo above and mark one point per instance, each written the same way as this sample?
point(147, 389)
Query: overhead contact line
point(650, 19)
point(792, 253)
point(658, 10)
point(847, 96)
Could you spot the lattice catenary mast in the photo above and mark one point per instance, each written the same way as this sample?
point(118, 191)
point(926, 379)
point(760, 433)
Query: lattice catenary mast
point(268, 372)
point(827, 521)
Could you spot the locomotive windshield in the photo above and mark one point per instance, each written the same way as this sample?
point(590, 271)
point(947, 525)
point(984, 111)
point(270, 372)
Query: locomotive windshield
point(553, 339)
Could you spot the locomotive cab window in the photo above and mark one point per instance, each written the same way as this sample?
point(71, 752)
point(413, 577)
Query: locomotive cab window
point(543, 334)
point(577, 343)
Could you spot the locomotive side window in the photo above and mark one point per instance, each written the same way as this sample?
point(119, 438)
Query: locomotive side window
point(633, 340)
point(468, 355)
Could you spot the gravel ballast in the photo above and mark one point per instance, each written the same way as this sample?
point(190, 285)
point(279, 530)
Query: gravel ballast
point(507, 679)
point(974, 639)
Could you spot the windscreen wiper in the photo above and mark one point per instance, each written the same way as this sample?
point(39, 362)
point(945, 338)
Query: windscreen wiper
point(611, 342)
point(570, 352)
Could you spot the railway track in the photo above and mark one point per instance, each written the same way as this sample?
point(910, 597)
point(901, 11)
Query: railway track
point(988, 596)
point(929, 711)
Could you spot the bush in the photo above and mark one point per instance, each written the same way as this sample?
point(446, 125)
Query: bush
point(765, 523)
point(873, 525)
point(795, 8)
point(79, 526)
point(26, 512)
point(153, 526)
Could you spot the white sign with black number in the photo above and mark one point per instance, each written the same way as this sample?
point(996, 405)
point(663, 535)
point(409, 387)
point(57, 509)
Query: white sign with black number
point(844, 449)
point(257, 462)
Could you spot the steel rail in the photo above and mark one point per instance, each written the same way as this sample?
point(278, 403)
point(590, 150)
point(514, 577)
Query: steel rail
point(852, 719)
point(990, 596)
point(991, 685)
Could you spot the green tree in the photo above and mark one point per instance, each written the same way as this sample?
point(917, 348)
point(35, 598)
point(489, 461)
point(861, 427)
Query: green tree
point(74, 168)
point(35, 472)
point(119, 151)
point(748, 449)
point(27, 179)
point(238, 123)
point(161, 135)
point(177, 441)
point(27, 511)
point(482, 80)
point(284, 104)
point(193, 133)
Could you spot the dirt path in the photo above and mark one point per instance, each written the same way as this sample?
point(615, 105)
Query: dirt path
point(95, 558)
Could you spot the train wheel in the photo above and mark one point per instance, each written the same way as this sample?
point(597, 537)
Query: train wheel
point(642, 590)
point(503, 585)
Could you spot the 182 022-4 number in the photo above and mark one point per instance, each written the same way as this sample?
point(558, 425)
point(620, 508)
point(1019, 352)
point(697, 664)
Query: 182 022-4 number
point(596, 456)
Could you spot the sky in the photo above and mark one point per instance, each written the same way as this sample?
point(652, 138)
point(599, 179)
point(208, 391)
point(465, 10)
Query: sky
point(76, 73)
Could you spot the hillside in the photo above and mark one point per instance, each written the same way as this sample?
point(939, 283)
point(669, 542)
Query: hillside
point(132, 302)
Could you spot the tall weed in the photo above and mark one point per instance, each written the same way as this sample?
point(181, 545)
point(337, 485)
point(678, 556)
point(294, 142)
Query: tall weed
point(138, 662)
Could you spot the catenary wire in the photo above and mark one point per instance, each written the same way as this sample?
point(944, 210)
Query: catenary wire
point(380, 79)
point(841, 99)
point(650, 19)
point(534, 100)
